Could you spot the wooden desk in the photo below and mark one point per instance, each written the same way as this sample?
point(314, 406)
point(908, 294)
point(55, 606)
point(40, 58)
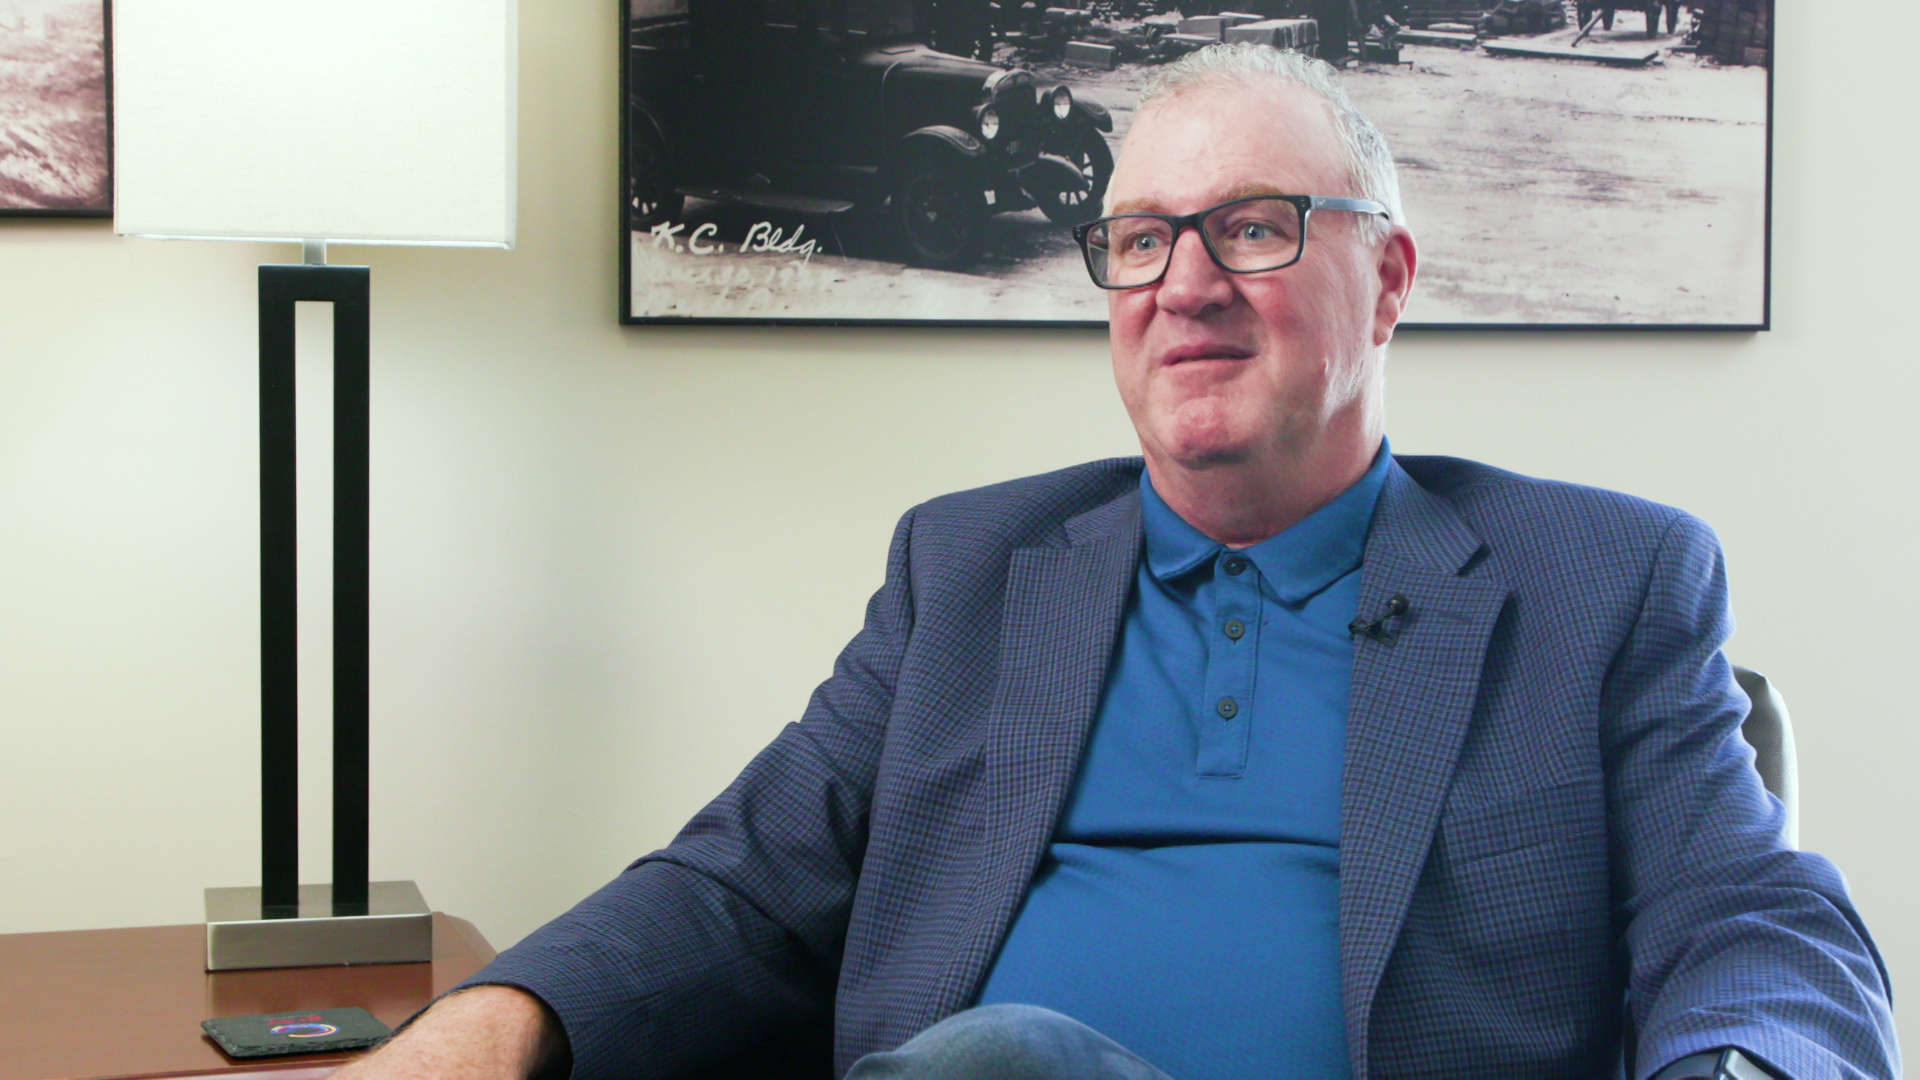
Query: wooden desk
point(128, 1003)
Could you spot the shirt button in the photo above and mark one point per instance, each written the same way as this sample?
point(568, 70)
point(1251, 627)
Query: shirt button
point(1235, 629)
point(1228, 708)
point(1233, 564)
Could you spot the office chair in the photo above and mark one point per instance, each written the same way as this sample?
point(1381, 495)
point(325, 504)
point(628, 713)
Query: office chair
point(1769, 731)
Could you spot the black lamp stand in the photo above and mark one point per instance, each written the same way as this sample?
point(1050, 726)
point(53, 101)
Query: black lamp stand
point(353, 921)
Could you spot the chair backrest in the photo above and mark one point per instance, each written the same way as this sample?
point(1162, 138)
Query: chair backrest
point(1770, 732)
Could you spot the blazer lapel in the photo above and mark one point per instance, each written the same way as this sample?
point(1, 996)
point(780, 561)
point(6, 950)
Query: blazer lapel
point(1413, 695)
point(1061, 618)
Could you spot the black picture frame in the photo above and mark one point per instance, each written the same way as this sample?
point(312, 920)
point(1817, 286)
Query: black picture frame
point(759, 134)
point(15, 204)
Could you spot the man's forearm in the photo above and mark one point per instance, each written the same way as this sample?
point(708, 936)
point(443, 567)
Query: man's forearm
point(485, 1033)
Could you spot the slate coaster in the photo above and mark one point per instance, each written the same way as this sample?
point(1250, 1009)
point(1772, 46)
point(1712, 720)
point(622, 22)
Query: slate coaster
point(309, 1031)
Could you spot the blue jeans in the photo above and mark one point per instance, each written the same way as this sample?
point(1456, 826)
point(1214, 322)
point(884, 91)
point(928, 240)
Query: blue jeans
point(1007, 1042)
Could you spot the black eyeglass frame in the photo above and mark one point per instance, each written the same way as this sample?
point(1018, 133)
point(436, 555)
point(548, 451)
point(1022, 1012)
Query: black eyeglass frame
point(1305, 204)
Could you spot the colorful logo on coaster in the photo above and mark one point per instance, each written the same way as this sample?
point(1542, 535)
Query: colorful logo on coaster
point(306, 1027)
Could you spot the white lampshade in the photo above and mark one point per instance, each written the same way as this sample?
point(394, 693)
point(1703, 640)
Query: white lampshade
point(352, 121)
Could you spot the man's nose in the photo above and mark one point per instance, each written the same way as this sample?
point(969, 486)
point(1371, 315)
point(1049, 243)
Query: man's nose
point(1194, 283)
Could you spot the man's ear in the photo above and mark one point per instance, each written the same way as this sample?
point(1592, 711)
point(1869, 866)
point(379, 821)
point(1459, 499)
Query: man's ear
point(1399, 261)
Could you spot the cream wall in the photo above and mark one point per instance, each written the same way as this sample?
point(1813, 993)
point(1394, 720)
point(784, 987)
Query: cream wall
point(610, 563)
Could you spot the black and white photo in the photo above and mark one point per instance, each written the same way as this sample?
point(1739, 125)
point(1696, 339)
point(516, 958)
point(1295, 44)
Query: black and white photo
point(55, 149)
point(1564, 163)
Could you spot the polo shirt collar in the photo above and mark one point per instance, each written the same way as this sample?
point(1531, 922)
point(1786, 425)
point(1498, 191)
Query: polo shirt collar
point(1310, 555)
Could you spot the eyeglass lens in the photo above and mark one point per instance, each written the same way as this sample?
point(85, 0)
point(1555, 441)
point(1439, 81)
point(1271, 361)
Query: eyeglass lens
point(1247, 236)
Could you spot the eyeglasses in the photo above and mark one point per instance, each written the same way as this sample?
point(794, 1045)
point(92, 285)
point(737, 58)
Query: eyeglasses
point(1244, 236)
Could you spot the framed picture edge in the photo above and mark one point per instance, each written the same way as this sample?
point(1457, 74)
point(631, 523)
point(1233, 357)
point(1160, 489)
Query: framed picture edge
point(623, 221)
point(1766, 210)
point(1084, 324)
point(628, 318)
point(93, 212)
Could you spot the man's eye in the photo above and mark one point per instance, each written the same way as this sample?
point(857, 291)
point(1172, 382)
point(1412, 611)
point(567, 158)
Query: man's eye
point(1258, 231)
point(1144, 242)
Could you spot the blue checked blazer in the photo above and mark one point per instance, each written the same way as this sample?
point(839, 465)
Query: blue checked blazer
point(1556, 857)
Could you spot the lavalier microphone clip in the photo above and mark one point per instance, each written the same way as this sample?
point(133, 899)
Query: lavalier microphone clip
point(1376, 629)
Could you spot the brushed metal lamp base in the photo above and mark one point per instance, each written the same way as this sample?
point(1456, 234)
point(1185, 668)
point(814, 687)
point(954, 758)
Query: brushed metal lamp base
point(282, 923)
point(395, 926)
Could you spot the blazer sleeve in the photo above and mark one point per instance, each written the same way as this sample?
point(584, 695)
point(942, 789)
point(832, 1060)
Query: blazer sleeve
point(1733, 938)
point(735, 930)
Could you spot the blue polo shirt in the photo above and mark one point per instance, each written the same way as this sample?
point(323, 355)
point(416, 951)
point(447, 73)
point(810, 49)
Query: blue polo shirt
point(1188, 906)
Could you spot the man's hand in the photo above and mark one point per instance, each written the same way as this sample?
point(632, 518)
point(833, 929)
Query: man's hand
point(486, 1033)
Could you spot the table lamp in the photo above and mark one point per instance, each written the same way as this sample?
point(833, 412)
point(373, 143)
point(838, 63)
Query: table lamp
point(349, 121)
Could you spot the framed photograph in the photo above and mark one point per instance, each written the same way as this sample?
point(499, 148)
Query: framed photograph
point(1565, 164)
point(56, 146)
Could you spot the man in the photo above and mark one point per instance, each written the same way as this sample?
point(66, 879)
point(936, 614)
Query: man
point(1281, 757)
point(1334, 21)
point(1671, 8)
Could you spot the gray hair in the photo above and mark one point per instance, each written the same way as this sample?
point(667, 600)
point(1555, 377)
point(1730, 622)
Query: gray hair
point(1370, 166)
